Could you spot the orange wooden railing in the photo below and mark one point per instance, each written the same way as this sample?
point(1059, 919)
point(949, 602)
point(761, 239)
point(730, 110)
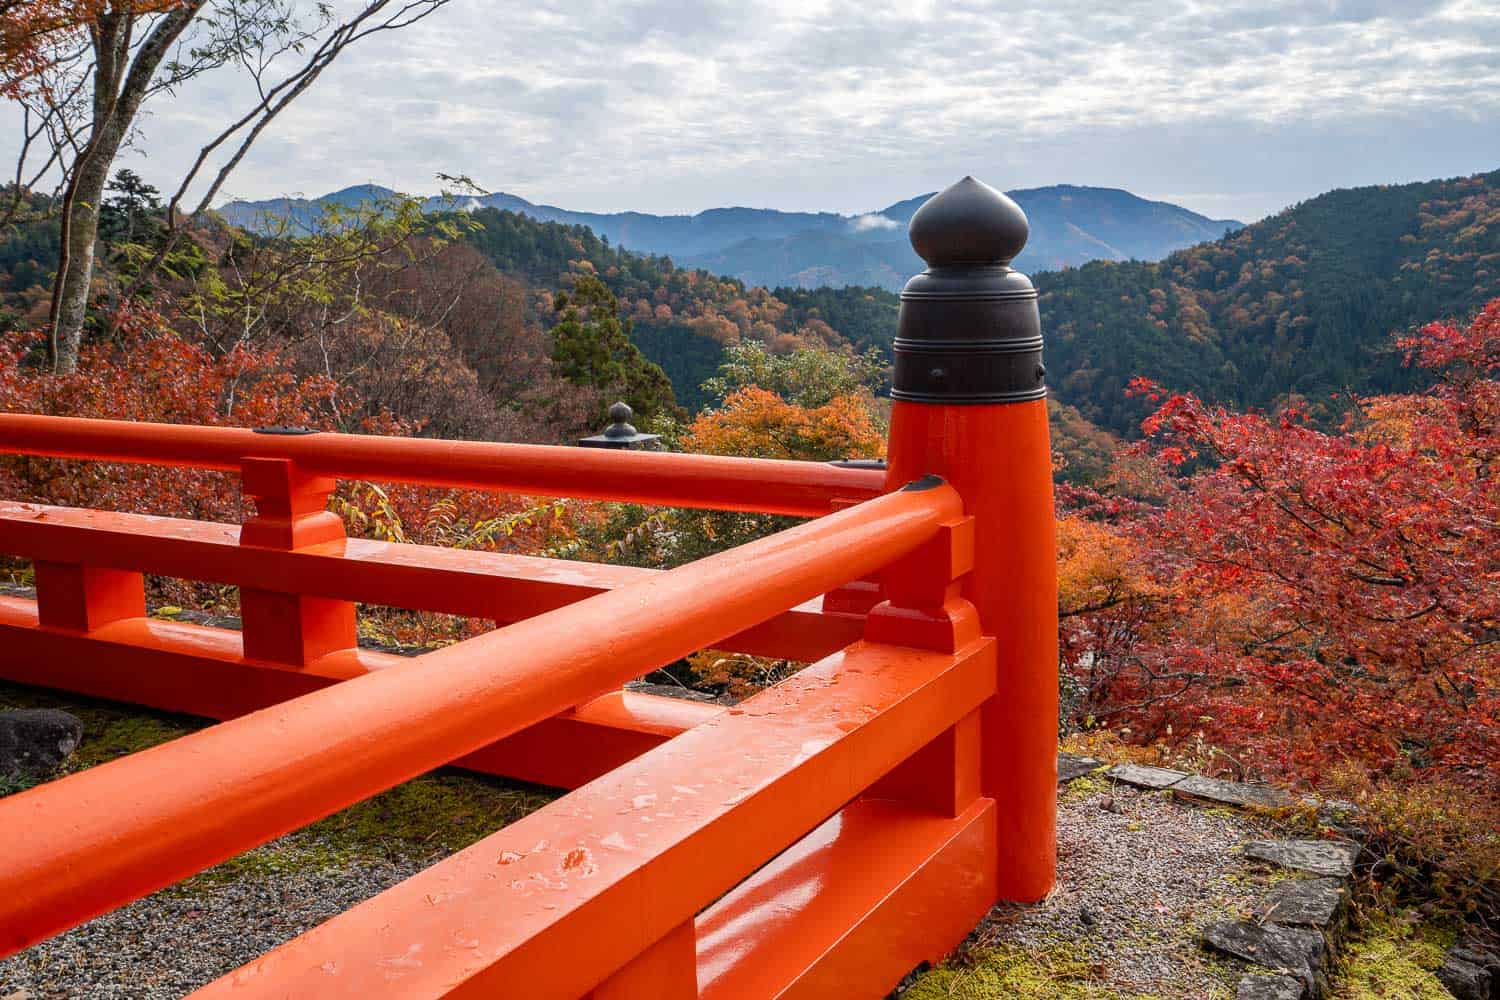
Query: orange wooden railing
point(822, 838)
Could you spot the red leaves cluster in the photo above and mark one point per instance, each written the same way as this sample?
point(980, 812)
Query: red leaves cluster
point(149, 373)
point(1319, 594)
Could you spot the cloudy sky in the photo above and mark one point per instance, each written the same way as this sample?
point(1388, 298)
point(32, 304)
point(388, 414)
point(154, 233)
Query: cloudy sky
point(1232, 108)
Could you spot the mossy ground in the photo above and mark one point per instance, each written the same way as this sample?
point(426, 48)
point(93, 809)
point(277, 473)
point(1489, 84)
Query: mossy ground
point(431, 815)
point(1061, 972)
point(1391, 959)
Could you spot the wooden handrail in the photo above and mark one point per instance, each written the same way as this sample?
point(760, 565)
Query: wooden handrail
point(805, 489)
point(501, 587)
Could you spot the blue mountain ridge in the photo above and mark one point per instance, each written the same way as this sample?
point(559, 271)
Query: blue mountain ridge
point(1070, 225)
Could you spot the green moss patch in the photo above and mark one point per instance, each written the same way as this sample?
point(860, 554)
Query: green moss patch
point(1084, 787)
point(1390, 959)
point(443, 811)
point(1061, 972)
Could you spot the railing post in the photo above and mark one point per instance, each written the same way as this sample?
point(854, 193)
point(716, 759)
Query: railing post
point(970, 406)
point(290, 513)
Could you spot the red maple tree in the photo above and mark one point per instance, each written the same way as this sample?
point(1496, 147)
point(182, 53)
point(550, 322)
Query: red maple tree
point(1316, 595)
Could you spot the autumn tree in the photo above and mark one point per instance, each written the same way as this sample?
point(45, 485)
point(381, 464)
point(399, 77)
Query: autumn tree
point(1325, 593)
point(82, 71)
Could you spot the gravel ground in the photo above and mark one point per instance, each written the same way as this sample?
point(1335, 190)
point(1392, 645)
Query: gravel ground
point(164, 946)
point(1139, 873)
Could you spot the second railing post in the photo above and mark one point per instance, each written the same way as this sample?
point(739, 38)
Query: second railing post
point(970, 406)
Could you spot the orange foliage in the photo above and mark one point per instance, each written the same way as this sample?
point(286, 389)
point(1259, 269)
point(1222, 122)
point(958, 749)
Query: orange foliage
point(757, 423)
point(34, 33)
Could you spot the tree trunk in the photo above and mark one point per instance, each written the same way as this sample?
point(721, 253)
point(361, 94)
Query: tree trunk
point(120, 84)
point(77, 274)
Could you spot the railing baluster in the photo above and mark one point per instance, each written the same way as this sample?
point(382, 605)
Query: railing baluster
point(83, 598)
point(290, 513)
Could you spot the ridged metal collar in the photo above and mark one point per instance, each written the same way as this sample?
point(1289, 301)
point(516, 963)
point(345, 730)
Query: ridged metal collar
point(969, 331)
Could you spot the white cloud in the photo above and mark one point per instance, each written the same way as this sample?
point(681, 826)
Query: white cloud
point(678, 105)
point(871, 222)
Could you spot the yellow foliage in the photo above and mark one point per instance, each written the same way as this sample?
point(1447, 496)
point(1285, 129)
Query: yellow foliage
point(757, 423)
point(1096, 568)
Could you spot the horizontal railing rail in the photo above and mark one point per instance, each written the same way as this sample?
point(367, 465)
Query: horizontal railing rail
point(501, 587)
point(143, 822)
point(806, 489)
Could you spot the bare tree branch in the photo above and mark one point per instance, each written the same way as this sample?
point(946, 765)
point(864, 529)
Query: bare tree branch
point(273, 101)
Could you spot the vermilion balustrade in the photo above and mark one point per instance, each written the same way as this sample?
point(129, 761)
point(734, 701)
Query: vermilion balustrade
point(820, 839)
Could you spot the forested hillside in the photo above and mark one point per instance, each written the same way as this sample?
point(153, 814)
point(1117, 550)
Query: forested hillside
point(682, 319)
point(1303, 302)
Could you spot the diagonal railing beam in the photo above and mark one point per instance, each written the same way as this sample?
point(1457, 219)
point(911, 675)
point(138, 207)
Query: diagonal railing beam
point(129, 827)
point(562, 898)
point(181, 667)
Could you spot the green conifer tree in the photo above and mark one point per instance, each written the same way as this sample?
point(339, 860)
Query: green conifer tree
point(591, 346)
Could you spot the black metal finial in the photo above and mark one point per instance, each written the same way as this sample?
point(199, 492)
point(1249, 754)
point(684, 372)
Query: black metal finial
point(620, 433)
point(969, 330)
point(969, 223)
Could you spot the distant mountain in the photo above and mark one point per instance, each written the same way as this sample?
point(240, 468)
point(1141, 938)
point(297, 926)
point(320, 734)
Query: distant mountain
point(299, 214)
point(1069, 225)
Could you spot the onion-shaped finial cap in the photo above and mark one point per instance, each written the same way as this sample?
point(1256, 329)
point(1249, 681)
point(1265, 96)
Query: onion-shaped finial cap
point(620, 433)
point(968, 223)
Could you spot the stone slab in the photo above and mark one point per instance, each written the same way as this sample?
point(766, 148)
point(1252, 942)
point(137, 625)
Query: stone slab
point(1471, 974)
point(1231, 793)
point(1304, 902)
point(1472, 953)
point(1320, 857)
point(34, 742)
point(1293, 951)
point(1141, 776)
point(1465, 980)
point(1071, 765)
point(1270, 988)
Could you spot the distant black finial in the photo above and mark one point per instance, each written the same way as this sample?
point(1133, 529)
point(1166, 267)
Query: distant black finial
point(620, 433)
point(619, 421)
point(968, 331)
